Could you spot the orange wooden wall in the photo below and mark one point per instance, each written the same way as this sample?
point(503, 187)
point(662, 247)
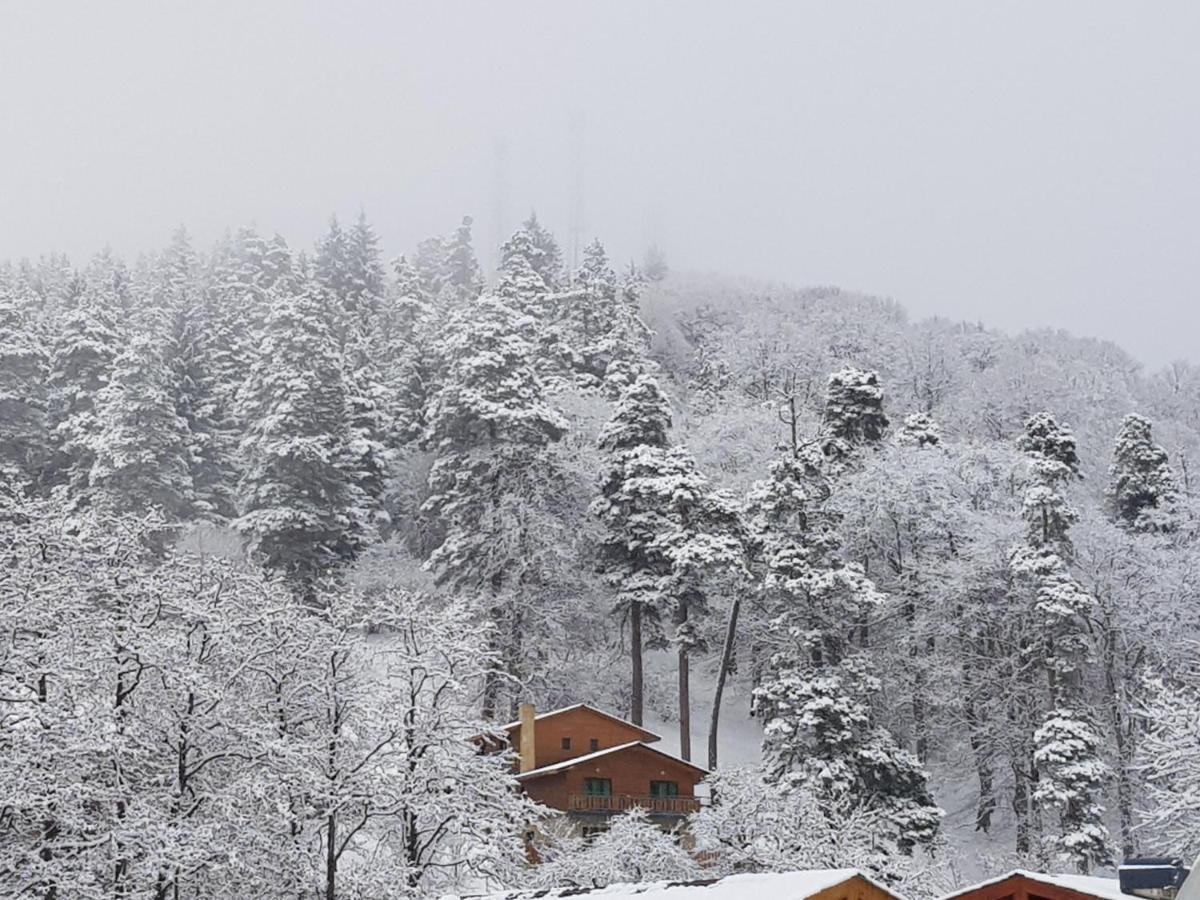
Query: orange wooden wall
point(580, 725)
point(631, 772)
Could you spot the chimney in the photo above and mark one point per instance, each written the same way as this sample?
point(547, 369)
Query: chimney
point(527, 752)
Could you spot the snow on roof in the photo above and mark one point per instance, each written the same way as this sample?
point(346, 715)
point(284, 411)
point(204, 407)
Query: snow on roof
point(565, 709)
point(574, 761)
point(1106, 888)
point(756, 886)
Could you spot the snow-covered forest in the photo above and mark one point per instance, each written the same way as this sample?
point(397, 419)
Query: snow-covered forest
point(285, 530)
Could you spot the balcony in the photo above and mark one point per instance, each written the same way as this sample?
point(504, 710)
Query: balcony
point(673, 806)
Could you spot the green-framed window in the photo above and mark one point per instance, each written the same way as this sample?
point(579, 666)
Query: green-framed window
point(597, 787)
point(664, 789)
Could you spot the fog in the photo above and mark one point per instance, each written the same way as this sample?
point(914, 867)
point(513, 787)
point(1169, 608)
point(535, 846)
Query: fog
point(1025, 164)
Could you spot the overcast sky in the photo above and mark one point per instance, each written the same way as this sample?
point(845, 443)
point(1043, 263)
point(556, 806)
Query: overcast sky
point(1021, 163)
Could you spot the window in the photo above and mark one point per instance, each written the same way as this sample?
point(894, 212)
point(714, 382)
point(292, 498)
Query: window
point(594, 744)
point(566, 743)
point(664, 789)
point(597, 787)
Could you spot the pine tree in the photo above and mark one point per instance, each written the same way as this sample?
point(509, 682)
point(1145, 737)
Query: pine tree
point(1063, 750)
point(599, 326)
point(1142, 488)
point(853, 416)
point(349, 271)
point(141, 444)
point(1069, 756)
point(81, 359)
point(547, 261)
point(405, 361)
point(669, 539)
point(919, 430)
point(489, 426)
point(519, 283)
point(24, 438)
point(639, 426)
point(817, 688)
point(295, 496)
point(461, 281)
point(202, 351)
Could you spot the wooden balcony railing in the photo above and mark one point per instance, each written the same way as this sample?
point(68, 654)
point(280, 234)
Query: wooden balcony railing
point(622, 802)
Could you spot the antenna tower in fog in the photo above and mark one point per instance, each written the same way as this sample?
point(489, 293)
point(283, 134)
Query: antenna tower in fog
point(499, 199)
point(575, 139)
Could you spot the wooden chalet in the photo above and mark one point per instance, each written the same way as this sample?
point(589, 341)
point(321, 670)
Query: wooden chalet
point(1025, 885)
point(592, 765)
point(822, 884)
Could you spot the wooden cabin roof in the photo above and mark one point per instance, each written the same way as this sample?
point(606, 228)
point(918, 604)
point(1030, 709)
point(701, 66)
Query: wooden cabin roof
point(646, 736)
point(591, 757)
point(821, 884)
point(1047, 885)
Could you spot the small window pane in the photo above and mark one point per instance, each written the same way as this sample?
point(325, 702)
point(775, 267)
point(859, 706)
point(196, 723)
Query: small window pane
point(598, 787)
point(664, 789)
point(595, 744)
point(566, 743)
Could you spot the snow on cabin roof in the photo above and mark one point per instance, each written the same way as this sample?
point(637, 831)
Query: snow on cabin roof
point(750, 886)
point(565, 709)
point(568, 763)
point(1106, 888)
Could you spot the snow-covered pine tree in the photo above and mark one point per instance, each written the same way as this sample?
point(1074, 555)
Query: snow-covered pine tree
point(1142, 488)
point(295, 496)
point(350, 273)
point(489, 426)
point(547, 260)
point(86, 342)
point(640, 423)
point(24, 361)
point(598, 326)
point(202, 352)
point(853, 416)
point(816, 689)
point(919, 430)
point(460, 279)
point(518, 281)
point(669, 539)
point(1064, 752)
point(141, 443)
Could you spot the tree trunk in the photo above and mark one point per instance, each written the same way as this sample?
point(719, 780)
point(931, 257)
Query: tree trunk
point(685, 700)
point(331, 859)
point(635, 657)
point(685, 708)
point(1020, 805)
point(983, 765)
point(722, 673)
point(1123, 740)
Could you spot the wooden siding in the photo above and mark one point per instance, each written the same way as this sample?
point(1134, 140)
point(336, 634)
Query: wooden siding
point(630, 771)
point(854, 888)
point(1018, 887)
point(581, 725)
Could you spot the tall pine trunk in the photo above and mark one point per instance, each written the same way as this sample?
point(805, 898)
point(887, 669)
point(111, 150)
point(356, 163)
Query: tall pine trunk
point(685, 699)
point(722, 673)
point(635, 658)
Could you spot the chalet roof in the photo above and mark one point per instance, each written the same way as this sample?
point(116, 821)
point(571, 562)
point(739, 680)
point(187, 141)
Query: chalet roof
point(749, 886)
point(588, 757)
point(1105, 888)
point(646, 735)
